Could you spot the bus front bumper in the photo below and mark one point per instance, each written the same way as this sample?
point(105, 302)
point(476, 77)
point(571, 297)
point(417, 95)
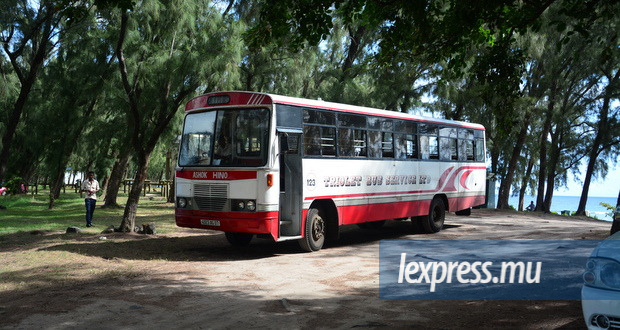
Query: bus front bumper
point(236, 222)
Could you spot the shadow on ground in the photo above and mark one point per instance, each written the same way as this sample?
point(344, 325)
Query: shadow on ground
point(146, 301)
point(212, 246)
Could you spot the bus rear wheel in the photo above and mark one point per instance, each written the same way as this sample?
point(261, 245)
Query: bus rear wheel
point(239, 239)
point(314, 235)
point(433, 222)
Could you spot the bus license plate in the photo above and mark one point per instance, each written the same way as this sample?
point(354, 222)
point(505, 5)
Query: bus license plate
point(215, 223)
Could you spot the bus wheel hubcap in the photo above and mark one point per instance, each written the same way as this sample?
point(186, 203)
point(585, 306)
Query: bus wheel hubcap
point(317, 228)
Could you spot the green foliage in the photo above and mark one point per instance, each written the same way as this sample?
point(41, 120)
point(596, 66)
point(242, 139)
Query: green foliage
point(610, 208)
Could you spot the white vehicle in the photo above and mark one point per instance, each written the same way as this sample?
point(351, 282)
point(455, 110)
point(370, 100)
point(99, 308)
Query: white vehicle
point(289, 168)
point(600, 295)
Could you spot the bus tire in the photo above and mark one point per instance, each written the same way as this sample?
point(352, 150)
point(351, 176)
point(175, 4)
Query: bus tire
point(239, 239)
point(433, 222)
point(465, 212)
point(314, 234)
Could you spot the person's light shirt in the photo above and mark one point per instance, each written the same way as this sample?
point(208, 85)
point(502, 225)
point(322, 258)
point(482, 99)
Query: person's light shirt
point(93, 186)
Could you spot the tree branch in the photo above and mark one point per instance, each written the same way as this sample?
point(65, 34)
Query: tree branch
point(134, 114)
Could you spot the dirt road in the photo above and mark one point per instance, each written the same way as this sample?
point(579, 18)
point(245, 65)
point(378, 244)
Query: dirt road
point(196, 280)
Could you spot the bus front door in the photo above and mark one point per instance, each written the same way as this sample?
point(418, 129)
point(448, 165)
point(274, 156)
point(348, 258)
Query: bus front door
point(290, 184)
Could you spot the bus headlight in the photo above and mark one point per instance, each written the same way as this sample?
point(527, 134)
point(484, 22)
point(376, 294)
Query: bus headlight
point(181, 202)
point(250, 206)
point(243, 205)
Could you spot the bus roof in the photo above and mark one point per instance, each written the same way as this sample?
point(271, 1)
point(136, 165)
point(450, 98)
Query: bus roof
point(236, 98)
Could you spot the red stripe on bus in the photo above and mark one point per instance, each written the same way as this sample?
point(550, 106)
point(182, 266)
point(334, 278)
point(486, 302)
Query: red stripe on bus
point(442, 178)
point(464, 179)
point(217, 175)
point(451, 185)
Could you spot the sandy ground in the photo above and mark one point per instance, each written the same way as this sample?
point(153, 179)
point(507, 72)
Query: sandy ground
point(196, 280)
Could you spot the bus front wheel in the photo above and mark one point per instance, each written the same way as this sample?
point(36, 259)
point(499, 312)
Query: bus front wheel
point(239, 239)
point(433, 222)
point(314, 235)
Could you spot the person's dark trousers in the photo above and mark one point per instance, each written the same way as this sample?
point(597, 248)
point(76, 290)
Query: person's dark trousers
point(90, 209)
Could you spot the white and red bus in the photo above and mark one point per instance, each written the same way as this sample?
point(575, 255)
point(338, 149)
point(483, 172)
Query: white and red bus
point(289, 168)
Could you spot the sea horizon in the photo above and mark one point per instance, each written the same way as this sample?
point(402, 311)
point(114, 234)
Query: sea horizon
point(561, 203)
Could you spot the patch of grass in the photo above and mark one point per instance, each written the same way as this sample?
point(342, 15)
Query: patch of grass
point(27, 213)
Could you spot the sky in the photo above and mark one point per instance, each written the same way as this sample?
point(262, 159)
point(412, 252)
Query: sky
point(607, 187)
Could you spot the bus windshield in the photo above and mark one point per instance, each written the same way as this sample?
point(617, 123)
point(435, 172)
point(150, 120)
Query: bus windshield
point(225, 138)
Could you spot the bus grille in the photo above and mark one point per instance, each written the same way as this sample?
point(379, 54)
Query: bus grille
point(211, 197)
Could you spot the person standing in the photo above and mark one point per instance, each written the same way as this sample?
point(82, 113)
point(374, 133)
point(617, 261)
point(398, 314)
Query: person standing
point(90, 186)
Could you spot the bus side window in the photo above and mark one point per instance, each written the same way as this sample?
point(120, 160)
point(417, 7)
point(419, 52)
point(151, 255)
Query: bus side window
point(319, 117)
point(400, 146)
point(359, 143)
point(447, 149)
point(345, 142)
point(433, 147)
point(374, 144)
point(479, 145)
point(412, 148)
point(328, 141)
point(312, 140)
point(429, 145)
point(424, 147)
point(466, 150)
point(387, 145)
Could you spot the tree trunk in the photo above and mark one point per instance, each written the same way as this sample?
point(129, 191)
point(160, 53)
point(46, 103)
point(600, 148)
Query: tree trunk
point(129, 216)
point(55, 188)
point(615, 226)
point(528, 173)
point(171, 192)
point(116, 179)
point(595, 149)
point(504, 189)
point(556, 142)
point(549, 195)
point(346, 73)
point(168, 170)
point(542, 171)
